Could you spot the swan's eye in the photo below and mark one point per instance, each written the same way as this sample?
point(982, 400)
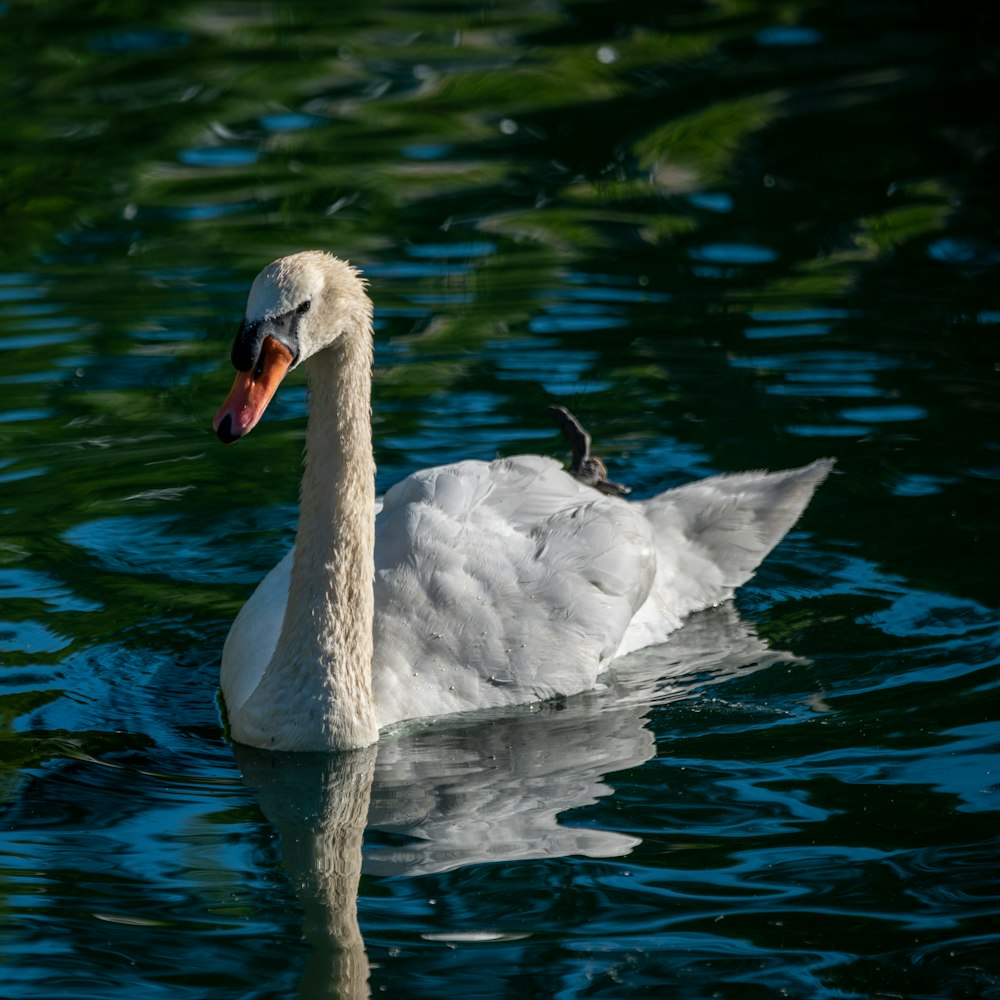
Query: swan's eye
point(304, 307)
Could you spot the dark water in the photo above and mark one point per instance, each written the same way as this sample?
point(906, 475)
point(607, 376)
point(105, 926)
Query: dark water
point(728, 235)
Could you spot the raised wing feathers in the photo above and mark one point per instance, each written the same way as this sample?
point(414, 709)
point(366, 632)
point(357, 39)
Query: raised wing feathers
point(710, 536)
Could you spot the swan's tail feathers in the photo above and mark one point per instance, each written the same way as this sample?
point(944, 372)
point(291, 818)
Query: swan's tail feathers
point(718, 530)
point(768, 504)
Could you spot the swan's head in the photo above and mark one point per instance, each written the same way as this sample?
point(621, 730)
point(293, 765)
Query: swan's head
point(298, 306)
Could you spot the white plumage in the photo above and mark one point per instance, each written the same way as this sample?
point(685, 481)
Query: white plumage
point(488, 584)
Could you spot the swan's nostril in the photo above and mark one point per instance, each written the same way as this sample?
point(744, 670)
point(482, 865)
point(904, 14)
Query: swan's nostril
point(225, 430)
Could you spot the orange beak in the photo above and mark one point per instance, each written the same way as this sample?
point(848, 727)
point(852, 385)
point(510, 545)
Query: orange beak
point(252, 391)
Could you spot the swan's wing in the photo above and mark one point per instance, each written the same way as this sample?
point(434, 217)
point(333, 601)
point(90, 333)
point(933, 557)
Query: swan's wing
point(500, 583)
point(710, 537)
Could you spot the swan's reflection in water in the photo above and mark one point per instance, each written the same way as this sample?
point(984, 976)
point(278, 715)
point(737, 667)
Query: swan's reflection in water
point(470, 790)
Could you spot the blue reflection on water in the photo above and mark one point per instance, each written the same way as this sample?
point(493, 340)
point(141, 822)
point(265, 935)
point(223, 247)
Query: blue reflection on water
point(788, 34)
point(828, 430)
point(30, 637)
point(786, 330)
point(597, 288)
point(884, 414)
point(464, 251)
point(712, 201)
point(964, 252)
point(733, 253)
point(164, 545)
point(919, 613)
point(290, 121)
point(26, 583)
point(138, 40)
point(428, 151)
point(917, 484)
point(218, 156)
point(564, 319)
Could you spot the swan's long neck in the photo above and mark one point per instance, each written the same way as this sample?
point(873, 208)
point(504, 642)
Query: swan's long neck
point(320, 673)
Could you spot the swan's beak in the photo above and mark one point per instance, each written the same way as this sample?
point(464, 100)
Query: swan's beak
point(252, 391)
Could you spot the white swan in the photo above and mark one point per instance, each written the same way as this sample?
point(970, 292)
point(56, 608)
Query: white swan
point(478, 584)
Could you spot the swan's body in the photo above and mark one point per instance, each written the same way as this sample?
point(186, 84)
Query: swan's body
point(477, 584)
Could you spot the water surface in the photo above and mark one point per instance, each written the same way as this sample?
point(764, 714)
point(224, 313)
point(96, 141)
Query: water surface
point(727, 236)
